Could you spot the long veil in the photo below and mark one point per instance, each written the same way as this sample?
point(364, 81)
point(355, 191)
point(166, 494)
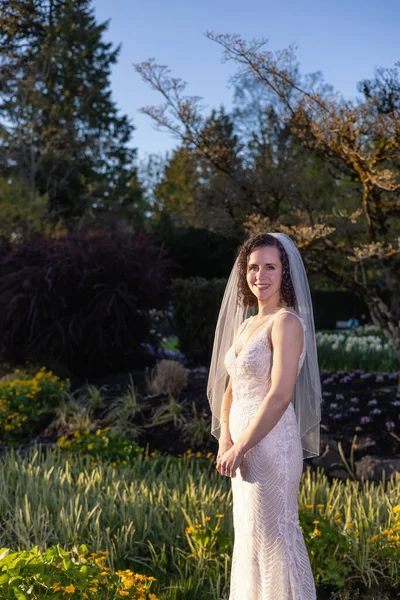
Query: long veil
point(307, 394)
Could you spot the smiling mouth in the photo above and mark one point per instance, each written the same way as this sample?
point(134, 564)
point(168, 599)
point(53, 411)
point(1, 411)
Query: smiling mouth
point(262, 287)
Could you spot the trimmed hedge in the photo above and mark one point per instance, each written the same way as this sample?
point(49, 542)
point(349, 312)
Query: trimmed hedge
point(196, 303)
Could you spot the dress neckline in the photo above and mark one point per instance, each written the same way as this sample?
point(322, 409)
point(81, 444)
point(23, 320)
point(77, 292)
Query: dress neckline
point(258, 330)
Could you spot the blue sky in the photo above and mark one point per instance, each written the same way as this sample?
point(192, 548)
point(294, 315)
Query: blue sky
point(345, 39)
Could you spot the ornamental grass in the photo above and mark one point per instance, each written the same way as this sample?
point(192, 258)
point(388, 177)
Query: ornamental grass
point(171, 518)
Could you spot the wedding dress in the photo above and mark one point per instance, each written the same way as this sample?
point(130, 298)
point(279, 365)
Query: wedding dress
point(270, 559)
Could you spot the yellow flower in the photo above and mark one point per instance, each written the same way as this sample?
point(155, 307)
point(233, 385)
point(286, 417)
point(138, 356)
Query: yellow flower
point(315, 522)
point(373, 538)
point(219, 515)
point(207, 518)
point(57, 586)
point(396, 509)
point(309, 505)
point(337, 521)
point(189, 529)
point(320, 506)
point(317, 532)
point(209, 454)
point(70, 589)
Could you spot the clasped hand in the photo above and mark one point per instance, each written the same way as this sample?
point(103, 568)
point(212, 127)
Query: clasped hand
point(229, 461)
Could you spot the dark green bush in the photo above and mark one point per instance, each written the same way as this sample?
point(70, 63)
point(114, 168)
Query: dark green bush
point(196, 252)
point(196, 303)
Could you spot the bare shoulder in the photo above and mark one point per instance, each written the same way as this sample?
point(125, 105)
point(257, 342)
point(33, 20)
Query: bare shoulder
point(286, 326)
point(289, 320)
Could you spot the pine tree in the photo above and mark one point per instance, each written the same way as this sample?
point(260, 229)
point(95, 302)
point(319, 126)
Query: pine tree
point(59, 128)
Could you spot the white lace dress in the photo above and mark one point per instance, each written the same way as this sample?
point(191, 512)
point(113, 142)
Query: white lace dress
point(270, 559)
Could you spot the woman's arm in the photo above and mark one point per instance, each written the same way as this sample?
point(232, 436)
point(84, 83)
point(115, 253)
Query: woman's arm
point(225, 410)
point(287, 342)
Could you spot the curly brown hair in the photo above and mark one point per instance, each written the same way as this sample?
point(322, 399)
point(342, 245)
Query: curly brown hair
point(245, 295)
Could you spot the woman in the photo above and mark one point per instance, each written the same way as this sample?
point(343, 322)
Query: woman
point(265, 394)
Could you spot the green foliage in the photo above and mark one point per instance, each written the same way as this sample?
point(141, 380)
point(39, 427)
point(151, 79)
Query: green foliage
point(105, 444)
point(326, 546)
point(196, 303)
point(362, 348)
point(123, 412)
point(27, 401)
point(174, 192)
point(206, 538)
point(57, 572)
point(22, 211)
point(172, 412)
point(197, 428)
point(186, 246)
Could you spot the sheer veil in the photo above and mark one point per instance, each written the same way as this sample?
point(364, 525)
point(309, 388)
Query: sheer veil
point(307, 394)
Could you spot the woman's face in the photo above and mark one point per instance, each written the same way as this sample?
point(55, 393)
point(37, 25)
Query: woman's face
point(264, 272)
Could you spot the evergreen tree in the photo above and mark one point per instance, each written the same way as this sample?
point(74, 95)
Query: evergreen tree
point(59, 128)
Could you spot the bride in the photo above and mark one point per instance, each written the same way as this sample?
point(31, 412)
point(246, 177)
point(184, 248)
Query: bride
point(265, 393)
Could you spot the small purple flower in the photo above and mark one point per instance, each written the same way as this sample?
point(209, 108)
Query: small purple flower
point(379, 378)
point(393, 375)
point(373, 402)
point(329, 380)
point(326, 394)
point(396, 403)
point(357, 371)
point(148, 347)
point(376, 411)
point(339, 397)
point(365, 420)
point(337, 416)
point(354, 400)
point(354, 409)
point(333, 405)
point(390, 425)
